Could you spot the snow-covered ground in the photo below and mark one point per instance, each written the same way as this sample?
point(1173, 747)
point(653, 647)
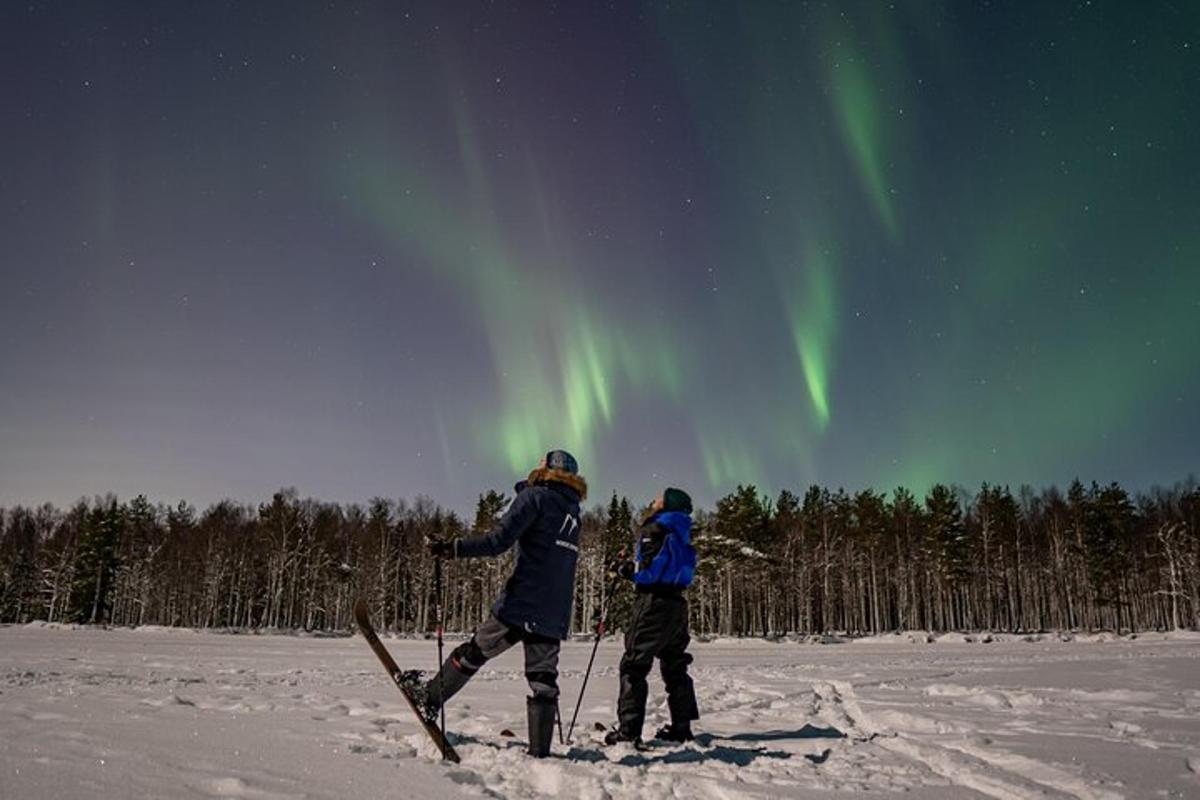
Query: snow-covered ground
point(165, 713)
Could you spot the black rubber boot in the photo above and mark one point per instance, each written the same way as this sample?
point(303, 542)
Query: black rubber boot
point(615, 736)
point(675, 733)
point(540, 711)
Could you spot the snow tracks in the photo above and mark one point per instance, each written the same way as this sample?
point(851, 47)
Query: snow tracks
point(176, 714)
point(968, 761)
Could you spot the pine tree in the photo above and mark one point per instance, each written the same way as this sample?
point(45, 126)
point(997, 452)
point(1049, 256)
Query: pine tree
point(793, 568)
point(19, 548)
point(1108, 524)
point(817, 517)
point(96, 562)
point(617, 536)
point(951, 552)
point(740, 527)
point(907, 531)
point(137, 571)
point(488, 510)
point(744, 517)
point(869, 524)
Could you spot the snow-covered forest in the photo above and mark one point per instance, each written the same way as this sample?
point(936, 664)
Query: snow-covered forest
point(1094, 557)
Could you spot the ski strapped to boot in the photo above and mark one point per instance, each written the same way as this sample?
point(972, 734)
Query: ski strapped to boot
point(362, 617)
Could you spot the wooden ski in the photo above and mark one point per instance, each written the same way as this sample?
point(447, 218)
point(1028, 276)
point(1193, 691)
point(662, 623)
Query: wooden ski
point(362, 616)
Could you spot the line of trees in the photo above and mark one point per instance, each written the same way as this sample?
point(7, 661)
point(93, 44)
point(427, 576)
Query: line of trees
point(1094, 558)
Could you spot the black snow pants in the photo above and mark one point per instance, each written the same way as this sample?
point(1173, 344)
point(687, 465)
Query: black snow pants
point(659, 629)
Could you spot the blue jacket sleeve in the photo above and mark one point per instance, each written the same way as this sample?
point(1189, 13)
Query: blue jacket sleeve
point(520, 515)
point(651, 537)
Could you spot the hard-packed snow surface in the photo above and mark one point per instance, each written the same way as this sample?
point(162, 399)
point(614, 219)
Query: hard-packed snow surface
point(163, 713)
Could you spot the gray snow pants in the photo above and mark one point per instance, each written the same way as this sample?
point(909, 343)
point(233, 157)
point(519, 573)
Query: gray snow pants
point(491, 639)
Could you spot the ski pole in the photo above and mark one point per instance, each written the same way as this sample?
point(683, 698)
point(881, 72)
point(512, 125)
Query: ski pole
point(612, 588)
point(437, 613)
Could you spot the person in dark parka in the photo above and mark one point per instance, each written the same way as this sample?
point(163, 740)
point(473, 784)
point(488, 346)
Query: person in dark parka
point(663, 566)
point(535, 606)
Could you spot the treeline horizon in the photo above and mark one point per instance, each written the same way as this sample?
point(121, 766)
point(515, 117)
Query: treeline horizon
point(1091, 558)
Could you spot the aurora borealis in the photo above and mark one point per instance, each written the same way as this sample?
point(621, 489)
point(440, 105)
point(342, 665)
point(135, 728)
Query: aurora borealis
point(390, 249)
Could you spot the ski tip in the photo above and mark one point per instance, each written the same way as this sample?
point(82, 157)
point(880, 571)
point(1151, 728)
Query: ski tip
point(362, 614)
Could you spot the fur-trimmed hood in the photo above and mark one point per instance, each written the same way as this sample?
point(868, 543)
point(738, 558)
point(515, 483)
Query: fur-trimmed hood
point(543, 475)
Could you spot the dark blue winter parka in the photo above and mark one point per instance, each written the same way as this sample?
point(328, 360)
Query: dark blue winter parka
point(543, 522)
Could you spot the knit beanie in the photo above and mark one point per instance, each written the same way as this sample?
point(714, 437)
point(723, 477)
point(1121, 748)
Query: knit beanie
point(676, 500)
point(563, 461)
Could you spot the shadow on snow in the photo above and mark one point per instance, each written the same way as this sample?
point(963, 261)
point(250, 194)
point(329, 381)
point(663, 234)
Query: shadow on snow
point(709, 747)
point(807, 732)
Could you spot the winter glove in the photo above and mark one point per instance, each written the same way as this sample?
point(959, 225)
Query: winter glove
point(620, 568)
point(441, 549)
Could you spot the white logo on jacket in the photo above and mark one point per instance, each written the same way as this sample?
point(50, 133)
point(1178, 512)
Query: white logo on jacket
point(569, 525)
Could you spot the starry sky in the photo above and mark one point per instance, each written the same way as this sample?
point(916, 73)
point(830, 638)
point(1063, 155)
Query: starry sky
point(397, 249)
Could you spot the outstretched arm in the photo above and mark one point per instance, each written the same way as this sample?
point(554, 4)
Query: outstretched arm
point(520, 515)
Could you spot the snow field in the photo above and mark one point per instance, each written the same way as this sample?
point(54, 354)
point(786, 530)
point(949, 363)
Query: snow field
point(179, 714)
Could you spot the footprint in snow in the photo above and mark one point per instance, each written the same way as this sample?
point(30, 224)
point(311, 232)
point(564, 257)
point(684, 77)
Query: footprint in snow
point(236, 787)
point(465, 777)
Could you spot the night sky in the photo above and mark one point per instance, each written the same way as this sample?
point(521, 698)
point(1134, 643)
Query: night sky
point(390, 249)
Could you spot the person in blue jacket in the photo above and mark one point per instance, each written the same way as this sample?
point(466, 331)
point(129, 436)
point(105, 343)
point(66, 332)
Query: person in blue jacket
point(663, 566)
point(535, 606)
